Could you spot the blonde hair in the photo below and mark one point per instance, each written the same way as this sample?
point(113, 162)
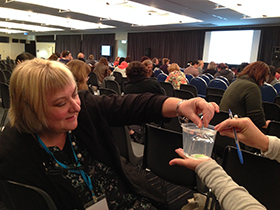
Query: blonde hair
point(80, 71)
point(30, 83)
point(165, 60)
point(173, 67)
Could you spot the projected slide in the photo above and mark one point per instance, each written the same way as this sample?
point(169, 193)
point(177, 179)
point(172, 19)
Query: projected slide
point(232, 47)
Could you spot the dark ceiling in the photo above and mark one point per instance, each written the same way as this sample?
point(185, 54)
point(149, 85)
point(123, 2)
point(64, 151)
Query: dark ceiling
point(200, 9)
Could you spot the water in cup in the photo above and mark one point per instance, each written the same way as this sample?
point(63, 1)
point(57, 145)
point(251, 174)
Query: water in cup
point(198, 142)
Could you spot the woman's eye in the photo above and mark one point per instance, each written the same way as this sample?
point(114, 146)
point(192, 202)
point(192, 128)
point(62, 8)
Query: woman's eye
point(60, 104)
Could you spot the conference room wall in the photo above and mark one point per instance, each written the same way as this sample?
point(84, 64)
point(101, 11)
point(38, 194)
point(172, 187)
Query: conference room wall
point(11, 49)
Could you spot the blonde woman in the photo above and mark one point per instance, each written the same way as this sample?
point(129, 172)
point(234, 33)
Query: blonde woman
point(175, 77)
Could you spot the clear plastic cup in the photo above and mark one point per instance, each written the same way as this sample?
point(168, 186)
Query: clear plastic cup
point(198, 142)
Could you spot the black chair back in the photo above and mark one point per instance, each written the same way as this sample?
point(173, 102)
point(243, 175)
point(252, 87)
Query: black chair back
point(112, 84)
point(168, 87)
point(216, 91)
point(5, 101)
point(119, 79)
point(271, 111)
point(159, 150)
point(107, 91)
point(259, 175)
point(2, 77)
point(17, 196)
point(189, 87)
point(93, 80)
point(214, 98)
point(273, 129)
point(277, 100)
point(183, 94)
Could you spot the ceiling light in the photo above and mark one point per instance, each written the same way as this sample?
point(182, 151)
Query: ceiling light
point(251, 8)
point(136, 12)
point(10, 31)
point(27, 27)
point(47, 19)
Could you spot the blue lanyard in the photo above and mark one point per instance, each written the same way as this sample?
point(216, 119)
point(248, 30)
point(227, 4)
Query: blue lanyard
point(84, 175)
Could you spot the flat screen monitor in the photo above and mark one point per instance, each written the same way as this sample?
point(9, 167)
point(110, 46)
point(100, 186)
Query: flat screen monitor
point(106, 50)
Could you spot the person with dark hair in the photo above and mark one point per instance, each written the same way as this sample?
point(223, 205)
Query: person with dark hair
point(53, 57)
point(128, 59)
point(144, 58)
point(66, 56)
point(211, 68)
point(241, 67)
point(193, 69)
point(121, 67)
point(243, 96)
point(164, 66)
point(23, 57)
point(225, 72)
point(271, 79)
point(138, 80)
point(102, 69)
point(57, 54)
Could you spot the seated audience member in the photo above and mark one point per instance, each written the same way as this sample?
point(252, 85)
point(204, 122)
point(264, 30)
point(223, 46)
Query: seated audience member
point(81, 56)
point(116, 61)
point(189, 63)
point(192, 69)
point(229, 194)
point(200, 67)
point(66, 56)
point(121, 67)
point(43, 112)
point(102, 69)
point(225, 72)
point(211, 68)
point(53, 57)
point(127, 59)
point(243, 96)
point(144, 58)
point(23, 57)
point(138, 80)
point(234, 70)
point(80, 70)
point(271, 79)
point(91, 60)
point(277, 75)
point(159, 61)
point(149, 66)
point(155, 63)
point(175, 77)
point(164, 66)
point(241, 67)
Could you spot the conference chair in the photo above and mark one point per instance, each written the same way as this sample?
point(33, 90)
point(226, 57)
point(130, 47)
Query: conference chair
point(2, 76)
point(107, 91)
point(183, 94)
point(157, 72)
point(7, 75)
point(159, 150)
point(168, 87)
point(206, 78)
point(273, 129)
point(259, 175)
point(5, 101)
point(17, 196)
point(217, 91)
point(201, 86)
point(218, 83)
point(119, 79)
point(271, 111)
point(112, 84)
point(277, 88)
point(277, 100)
point(214, 98)
point(161, 77)
point(93, 80)
point(224, 79)
point(189, 76)
point(132, 151)
point(209, 75)
point(268, 92)
point(190, 88)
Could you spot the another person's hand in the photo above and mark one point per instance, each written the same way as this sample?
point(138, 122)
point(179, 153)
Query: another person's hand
point(247, 132)
point(192, 107)
point(185, 161)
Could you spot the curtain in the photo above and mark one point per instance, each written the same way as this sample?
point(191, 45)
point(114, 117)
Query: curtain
point(68, 42)
point(179, 46)
point(91, 44)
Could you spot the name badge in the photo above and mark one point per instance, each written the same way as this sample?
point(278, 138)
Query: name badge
point(100, 205)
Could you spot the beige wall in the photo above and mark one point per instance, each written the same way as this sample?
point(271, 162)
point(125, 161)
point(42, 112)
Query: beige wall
point(11, 49)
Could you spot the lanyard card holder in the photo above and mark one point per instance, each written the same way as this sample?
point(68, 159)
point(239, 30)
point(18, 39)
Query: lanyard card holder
point(101, 204)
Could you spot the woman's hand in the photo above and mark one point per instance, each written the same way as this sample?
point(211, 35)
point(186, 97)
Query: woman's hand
point(247, 132)
point(185, 161)
point(190, 109)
